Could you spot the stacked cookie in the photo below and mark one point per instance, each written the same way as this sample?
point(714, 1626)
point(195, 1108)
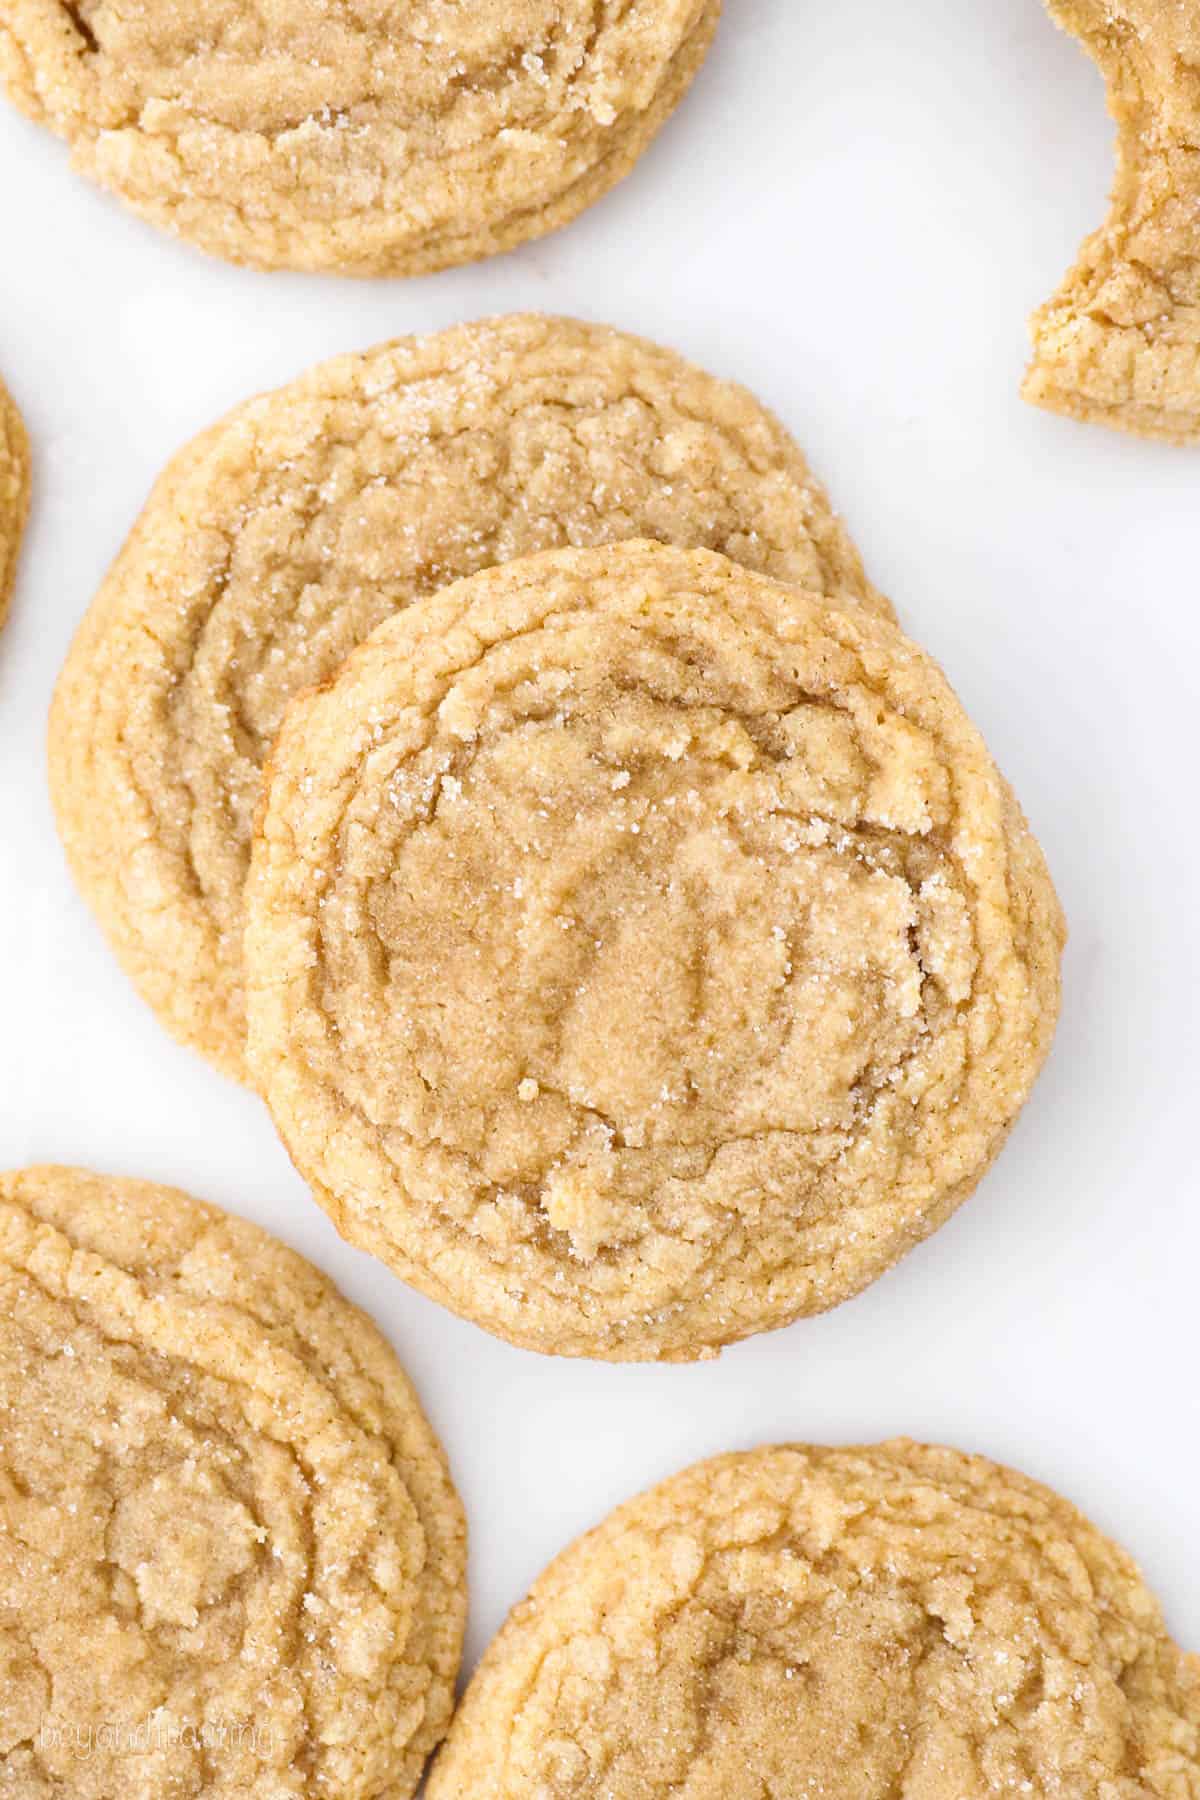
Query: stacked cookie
point(642, 952)
point(633, 939)
point(281, 538)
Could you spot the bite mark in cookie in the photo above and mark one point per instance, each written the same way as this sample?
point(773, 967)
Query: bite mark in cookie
point(1120, 343)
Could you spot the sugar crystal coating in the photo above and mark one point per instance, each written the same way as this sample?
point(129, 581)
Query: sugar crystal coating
point(232, 1560)
point(812, 1624)
point(642, 952)
point(358, 138)
point(280, 538)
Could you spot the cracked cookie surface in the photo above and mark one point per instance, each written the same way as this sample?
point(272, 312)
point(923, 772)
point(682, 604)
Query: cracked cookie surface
point(279, 539)
point(232, 1560)
point(1120, 343)
point(855, 1624)
point(364, 139)
point(642, 953)
point(14, 493)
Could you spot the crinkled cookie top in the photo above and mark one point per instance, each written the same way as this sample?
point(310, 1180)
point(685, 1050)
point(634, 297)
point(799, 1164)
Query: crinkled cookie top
point(279, 539)
point(641, 952)
point(849, 1624)
point(231, 1558)
point(352, 136)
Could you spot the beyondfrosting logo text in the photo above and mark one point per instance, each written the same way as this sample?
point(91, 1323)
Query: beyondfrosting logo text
point(161, 1734)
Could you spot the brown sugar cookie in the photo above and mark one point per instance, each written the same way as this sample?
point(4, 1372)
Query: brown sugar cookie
point(853, 1624)
point(231, 1557)
point(368, 140)
point(280, 538)
point(1120, 343)
point(14, 493)
point(642, 953)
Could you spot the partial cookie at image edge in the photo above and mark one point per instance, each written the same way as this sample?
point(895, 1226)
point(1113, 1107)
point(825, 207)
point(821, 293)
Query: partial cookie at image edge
point(14, 493)
point(797, 1619)
point(1119, 345)
point(262, 1466)
point(190, 176)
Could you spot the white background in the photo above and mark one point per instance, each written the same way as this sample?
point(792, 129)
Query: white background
point(853, 213)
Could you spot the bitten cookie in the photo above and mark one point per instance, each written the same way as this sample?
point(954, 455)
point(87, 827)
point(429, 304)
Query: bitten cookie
point(367, 140)
point(231, 1557)
point(279, 539)
point(854, 1624)
point(640, 952)
point(14, 493)
point(1120, 343)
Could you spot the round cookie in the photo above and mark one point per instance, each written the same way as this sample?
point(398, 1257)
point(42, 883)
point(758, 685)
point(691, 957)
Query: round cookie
point(367, 140)
point(232, 1560)
point(642, 953)
point(1120, 342)
point(280, 538)
point(14, 493)
point(854, 1624)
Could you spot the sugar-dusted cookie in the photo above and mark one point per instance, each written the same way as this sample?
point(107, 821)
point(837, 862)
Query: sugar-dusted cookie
point(14, 493)
point(853, 1624)
point(231, 1557)
point(641, 952)
point(279, 539)
point(1120, 343)
point(370, 140)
